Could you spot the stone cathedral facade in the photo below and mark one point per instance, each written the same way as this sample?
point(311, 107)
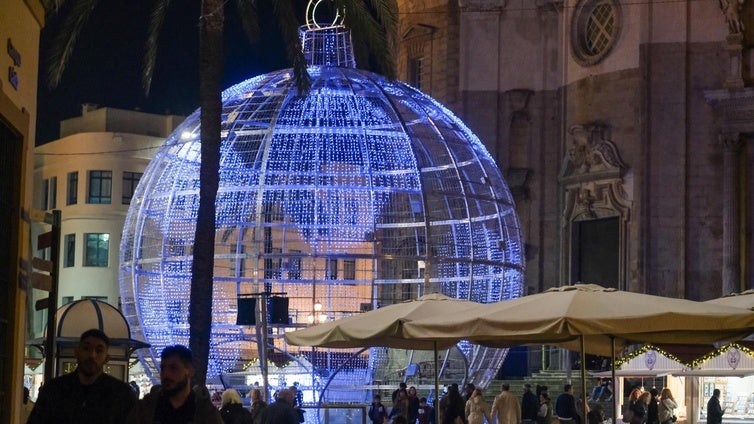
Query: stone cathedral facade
point(624, 129)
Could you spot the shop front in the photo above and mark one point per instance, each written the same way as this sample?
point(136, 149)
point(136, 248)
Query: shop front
point(729, 368)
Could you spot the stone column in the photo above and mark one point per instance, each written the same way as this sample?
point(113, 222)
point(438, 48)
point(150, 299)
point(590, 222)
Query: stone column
point(735, 53)
point(732, 144)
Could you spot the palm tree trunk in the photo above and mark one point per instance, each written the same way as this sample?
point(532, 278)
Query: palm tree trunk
point(202, 269)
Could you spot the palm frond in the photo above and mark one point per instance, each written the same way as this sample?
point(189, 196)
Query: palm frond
point(286, 19)
point(52, 6)
point(387, 15)
point(65, 40)
point(249, 19)
point(156, 20)
point(366, 30)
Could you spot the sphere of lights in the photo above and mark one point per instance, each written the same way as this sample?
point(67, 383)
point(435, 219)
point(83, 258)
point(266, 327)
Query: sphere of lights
point(362, 193)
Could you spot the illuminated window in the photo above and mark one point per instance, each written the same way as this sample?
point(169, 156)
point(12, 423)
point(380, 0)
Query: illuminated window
point(72, 191)
point(69, 250)
point(100, 187)
point(96, 249)
point(130, 181)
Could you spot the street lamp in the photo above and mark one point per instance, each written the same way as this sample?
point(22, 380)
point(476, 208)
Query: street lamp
point(318, 316)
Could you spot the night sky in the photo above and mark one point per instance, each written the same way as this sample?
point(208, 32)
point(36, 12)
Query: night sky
point(106, 65)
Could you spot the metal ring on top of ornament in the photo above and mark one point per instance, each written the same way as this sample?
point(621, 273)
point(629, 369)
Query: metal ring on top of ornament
point(327, 45)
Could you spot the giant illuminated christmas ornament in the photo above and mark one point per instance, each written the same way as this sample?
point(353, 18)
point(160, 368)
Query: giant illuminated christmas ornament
point(362, 193)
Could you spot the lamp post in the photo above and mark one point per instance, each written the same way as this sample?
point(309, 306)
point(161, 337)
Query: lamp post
point(316, 317)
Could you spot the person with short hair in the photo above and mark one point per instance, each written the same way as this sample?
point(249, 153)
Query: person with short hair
point(298, 399)
point(401, 386)
point(87, 394)
point(529, 405)
point(174, 401)
point(281, 411)
point(426, 413)
point(377, 412)
point(714, 411)
point(565, 406)
point(506, 407)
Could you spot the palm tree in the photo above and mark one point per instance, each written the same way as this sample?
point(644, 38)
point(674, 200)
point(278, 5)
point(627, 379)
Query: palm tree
point(373, 23)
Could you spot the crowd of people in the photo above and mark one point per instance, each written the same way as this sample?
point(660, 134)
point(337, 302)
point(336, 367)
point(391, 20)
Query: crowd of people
point(88, 395)
point(651, 407)
point(465, 406)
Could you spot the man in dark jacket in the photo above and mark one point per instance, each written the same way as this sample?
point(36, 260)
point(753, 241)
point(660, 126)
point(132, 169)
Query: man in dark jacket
point(86, 395)
point(714, 411)
point(282, 411)
point(529, 405)
point(565, 406)
point(174, 401)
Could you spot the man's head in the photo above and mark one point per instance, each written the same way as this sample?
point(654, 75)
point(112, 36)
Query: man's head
point(716, 393)
point(423, 401)
point(91, 353)
point(377, 398)
point(176, 369)
point(568, 388)
point(505, 387)
point(286, 396)
point(527, 387)
point(402, 385)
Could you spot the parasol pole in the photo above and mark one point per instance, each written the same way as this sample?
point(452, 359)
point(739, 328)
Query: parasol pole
point(583, 377)
point(612, 374)
point(436, 403)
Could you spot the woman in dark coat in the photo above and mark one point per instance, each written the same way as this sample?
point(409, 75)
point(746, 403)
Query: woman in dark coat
point(232, 410)
point(455, 408)
point(639, 409)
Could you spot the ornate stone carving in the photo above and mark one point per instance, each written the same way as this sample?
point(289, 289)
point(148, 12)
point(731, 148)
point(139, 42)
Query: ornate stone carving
point(592, 183)
point(733, 109)
point(585, 204)
point(590, 152)
point(732, 11)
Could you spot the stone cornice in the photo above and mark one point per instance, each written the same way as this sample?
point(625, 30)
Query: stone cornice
point(482, 5)
point(733, 109)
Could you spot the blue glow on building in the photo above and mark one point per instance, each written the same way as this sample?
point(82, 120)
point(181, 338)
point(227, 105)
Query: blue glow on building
point(364, 193)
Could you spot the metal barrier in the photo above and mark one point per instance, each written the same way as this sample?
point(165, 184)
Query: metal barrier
point(336, 413)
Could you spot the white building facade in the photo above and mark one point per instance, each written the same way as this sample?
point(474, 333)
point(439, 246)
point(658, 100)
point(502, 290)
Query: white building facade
point(90, 174)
